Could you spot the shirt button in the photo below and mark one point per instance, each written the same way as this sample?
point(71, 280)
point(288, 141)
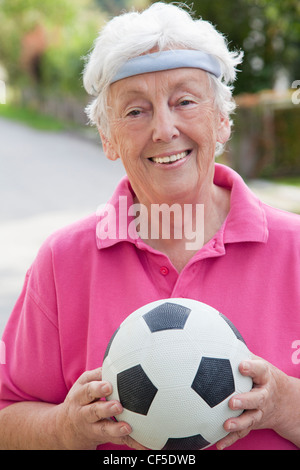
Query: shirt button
point(164, 270)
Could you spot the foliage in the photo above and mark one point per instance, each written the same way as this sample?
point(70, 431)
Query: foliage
point(265, 141)
point(62, 63)
point(286, 159)
point(32, 118)
point(114, 7)
point(70, 27)
point(267, 31)
point(27, 13)
point(18, 17)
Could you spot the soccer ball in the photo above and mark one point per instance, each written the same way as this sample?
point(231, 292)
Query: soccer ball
point(173, 365)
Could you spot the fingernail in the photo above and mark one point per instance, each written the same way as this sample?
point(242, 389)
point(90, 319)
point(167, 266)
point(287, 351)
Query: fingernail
point(116, 409)
point(232, 427)
point(221, 446)
point(236, 403)
point(125, 430)
point(105, 388)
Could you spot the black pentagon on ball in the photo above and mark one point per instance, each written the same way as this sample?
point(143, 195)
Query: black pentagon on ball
point(196, 442)
point(233, 327)
point(167, 316)
point(110, 343)
point(214, 380)
point(136, 391)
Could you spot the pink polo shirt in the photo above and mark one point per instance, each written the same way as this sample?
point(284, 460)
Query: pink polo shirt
point(80, 288)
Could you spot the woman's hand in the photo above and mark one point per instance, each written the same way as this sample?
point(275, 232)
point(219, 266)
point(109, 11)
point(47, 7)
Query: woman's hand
point(83, 420)
point(273, 403)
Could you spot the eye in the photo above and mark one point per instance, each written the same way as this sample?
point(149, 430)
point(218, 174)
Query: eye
point(134, 113)
point(185, 102)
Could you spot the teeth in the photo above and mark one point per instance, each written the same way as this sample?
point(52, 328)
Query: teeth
point(169, 159)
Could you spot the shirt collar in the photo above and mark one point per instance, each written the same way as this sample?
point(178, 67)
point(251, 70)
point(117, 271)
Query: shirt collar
point(246, 221)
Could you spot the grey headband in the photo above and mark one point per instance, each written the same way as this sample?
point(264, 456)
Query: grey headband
point(168, 60)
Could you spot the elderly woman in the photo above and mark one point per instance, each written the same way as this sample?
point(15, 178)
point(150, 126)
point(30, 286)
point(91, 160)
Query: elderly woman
point(162, 105)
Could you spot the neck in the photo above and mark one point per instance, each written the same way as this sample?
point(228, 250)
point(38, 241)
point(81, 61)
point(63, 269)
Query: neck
point(181, 229)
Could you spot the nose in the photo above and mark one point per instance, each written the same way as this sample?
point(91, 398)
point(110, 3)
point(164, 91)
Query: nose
point(164, 125)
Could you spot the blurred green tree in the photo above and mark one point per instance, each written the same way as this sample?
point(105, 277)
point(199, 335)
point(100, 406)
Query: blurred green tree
point(18, 18)
point(267, 31)
point(114, 7)
point(42, 43)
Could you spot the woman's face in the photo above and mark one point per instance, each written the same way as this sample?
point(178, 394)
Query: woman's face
point(164, 127)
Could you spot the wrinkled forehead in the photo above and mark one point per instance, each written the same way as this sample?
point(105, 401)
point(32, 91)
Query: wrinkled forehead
point(168, 60)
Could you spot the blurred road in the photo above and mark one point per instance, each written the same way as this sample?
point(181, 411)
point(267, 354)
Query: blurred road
point(48, 180)
point(282, 196)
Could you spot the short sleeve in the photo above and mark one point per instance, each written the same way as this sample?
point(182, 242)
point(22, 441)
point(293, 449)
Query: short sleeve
point(32, 370)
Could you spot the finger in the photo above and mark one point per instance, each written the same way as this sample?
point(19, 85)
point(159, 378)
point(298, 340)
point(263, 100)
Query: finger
point(253, 400)
point(108, 430)
point(239, 428)
point(90, 375)
point(230, 439)
point(92, 391)
point(118, 433)
point(257, 369)
point(128, 441)
point(246, 421)
point(100, 410)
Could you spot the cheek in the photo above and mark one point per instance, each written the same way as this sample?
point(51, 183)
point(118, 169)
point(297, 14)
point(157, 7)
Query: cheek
point(129, 154)
point(205, 137)
point(127, 142)
point(201, 124)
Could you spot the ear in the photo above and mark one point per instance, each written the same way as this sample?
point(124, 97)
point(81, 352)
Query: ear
point(108, 148)
point(224, 129)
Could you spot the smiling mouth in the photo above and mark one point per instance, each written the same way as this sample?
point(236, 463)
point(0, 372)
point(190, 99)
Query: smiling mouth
point(171, 158)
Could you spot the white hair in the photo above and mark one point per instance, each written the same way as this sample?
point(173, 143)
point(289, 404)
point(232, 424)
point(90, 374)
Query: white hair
point(164, 26)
